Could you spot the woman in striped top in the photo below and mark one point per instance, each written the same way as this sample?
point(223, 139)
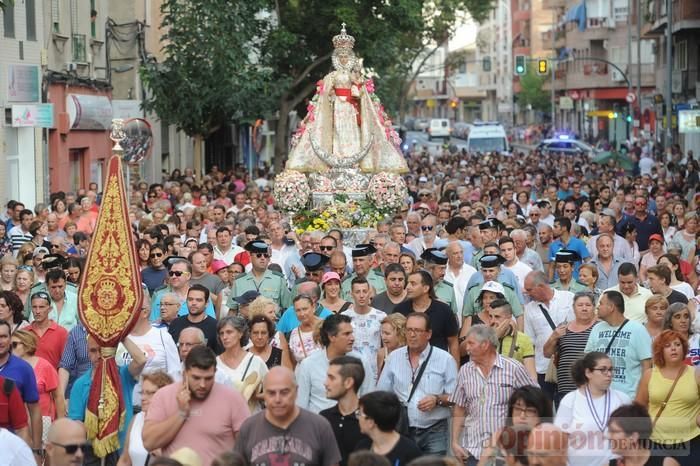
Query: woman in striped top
point(568, 341)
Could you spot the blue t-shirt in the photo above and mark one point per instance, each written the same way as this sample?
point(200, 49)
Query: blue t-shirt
point(22, 374)
point(289, 320)
point(575, 244)
point(631, 346)
point(153, 278)
point(81, 391)
point(504, 276)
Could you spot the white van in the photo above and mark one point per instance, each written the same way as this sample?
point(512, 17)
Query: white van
point(439, 128)
point(487, 137)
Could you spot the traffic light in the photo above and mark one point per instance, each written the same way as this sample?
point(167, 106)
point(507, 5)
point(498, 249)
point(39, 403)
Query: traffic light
point(612, 115)
point(629, 118)
point(453, 104)
point(520, 65)
point(486, 64)
point(542, 68)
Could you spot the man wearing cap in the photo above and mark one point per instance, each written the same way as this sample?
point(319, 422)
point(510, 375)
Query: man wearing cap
point(606, 263)
point(504, 275)
point(606, 224)
point(436, 265)
point(51, 337)
point(268, 283)
point(564, 240)
point(564, 263)
point(314, 266)
point(361, 263)
point(244, 301)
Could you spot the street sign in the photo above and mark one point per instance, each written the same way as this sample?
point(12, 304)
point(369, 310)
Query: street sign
point(631, 97)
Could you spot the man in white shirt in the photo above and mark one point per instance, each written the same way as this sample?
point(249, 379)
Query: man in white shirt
point(635, 296)
point(224, 249)
point(458, 272)
point(520, 269)
point(546, 216)
point(428, 235)
point(547, 309)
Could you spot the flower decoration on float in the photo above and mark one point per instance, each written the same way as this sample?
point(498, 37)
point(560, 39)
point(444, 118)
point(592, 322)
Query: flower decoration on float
point(387, 191)
point(291, 191)
point(342, 213)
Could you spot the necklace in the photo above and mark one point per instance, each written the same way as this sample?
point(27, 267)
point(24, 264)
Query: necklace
point(601, 422)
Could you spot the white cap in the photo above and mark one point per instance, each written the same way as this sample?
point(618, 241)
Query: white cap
point(493, 287)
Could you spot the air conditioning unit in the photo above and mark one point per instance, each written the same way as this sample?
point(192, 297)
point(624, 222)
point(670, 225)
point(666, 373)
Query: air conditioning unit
point(605, 44)
point(616, 75)
point(71, 66)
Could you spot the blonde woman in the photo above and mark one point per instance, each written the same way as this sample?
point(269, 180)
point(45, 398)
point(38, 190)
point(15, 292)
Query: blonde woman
point(24, 279)
point(8, 270)
point(393, 336)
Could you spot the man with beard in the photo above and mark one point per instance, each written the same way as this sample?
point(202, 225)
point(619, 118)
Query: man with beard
point(197, 413)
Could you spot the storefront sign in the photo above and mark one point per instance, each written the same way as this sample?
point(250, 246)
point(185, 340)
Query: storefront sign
point(32, 116)
point(689, 121)
point(23, 83)
point(89, 112)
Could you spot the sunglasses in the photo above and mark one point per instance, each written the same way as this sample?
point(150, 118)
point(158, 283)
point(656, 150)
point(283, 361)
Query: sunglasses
point(151, 197)
point(260, 255)
point(176, 273)
point(71, 448)
point(427, 227)
point(156, 254)
point(569, 210)
point(423, 195)
point(325, 248)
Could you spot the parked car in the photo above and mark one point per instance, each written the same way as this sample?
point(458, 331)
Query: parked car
point(439, 128)
point(421, 124)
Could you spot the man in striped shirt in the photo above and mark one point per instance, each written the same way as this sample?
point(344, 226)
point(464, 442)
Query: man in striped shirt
point(484, 386)
point(20, 234)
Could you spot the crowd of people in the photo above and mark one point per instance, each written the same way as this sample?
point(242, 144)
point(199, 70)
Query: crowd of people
point(517, 310)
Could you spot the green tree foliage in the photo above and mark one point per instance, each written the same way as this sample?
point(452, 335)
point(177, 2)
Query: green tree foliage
point(5, 3)
point(210, 75)
point(531, 91)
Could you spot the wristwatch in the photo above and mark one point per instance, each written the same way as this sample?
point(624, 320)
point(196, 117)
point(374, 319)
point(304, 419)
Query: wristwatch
point(38, 451)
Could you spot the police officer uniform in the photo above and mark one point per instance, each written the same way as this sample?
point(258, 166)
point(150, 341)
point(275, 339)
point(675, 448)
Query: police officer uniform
point(375, 279)
point(272, 284)
point(567, 256)
point(471, 306)
point(490, 224)
point(312, 262)
point(444, 291)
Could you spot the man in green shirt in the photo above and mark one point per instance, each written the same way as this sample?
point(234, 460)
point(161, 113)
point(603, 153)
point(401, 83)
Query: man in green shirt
point(362, 256)
point(564, 261)
point(268, 283)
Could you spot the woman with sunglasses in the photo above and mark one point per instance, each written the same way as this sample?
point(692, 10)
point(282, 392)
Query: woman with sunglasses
point(155, 273)
point(528, 407)
point(584, 413)
point(12, 310)
point(671, 392)
point(244, 369)
point(24, 279)
point(133, 451)
point(51, 400)
point(8, 270)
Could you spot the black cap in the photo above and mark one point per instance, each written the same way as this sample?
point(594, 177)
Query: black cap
point(362, 250)
point(490, 223)
point(173, 259)
point(567, 256)
point(257, 246)
point(491, 260)
point(53, 261)
point(434, 256)
point(313, 261)
point(247, 297)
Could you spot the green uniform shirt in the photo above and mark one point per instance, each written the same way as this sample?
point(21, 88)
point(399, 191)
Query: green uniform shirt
point(375, 279)
point(71, 288)
point(446, 293)
point(478, 254)
point(574, 286)
point(471, 307)
point(273, 285)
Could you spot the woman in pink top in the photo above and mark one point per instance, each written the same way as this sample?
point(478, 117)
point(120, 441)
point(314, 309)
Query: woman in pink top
point(51, 400)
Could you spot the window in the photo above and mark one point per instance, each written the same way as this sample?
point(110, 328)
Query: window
point(78, 47)
point(93, 19)
point(55, 15)
point(680, 56)
point(8, 19)
point(31, 19)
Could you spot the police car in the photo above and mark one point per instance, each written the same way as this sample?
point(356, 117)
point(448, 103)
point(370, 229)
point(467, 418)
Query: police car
point(564, 144)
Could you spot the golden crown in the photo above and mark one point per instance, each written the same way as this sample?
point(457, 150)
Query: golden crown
point(343, 40)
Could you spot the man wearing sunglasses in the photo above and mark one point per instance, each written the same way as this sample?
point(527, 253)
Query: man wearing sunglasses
point(428, 235)
point(67, 443)
point(179, 274)
point(268, 283)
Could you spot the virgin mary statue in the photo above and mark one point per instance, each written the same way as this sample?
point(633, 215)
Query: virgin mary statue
point(346, 127)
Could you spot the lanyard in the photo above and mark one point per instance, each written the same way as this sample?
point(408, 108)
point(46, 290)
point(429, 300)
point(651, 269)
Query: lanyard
point(601, 422)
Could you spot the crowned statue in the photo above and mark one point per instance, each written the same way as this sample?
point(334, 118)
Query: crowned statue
point(346, 126)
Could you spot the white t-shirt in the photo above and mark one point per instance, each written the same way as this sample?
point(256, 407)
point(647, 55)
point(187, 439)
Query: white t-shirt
point(367, 330)
point(684, 288)
point(588, 444)
point(160, 351)
point(520, 269)
point(250, 364)
point(561, 309)
point(15, 451)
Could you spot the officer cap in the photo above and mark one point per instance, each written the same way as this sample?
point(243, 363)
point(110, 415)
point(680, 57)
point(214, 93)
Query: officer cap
point(362, 250)
point(492, 223)
point(257, 246)
point(247, 297)
point(434, 256)
point(491, 260)
point(313, 261)
point(567, 256)
point(53, 261)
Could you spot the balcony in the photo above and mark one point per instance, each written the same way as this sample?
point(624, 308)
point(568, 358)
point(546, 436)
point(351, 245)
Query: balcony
point(79, 48)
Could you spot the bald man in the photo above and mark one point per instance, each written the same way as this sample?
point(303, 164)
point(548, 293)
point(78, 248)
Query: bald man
point(547, 446)
point(66, 443)
point(269, 434)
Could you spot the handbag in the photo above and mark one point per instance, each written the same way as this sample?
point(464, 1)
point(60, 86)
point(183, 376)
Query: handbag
point(403, 426)
point(550, 375)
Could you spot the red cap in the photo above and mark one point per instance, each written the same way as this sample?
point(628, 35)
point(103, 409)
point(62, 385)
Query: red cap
point(656, 237)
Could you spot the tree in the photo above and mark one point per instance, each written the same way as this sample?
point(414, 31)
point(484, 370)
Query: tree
point(391, 37)
point(210, 75)
point(5, 3)
point(531, 92)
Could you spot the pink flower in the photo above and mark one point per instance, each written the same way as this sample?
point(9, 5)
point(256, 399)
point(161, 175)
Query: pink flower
point(319, 87)
point(310, 108)
point(369, 85)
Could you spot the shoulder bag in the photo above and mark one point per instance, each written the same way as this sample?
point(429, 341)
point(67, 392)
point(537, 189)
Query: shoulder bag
point(403, 425)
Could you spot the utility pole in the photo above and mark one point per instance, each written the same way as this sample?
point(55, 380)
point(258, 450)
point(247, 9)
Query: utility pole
point(551, 67)
point(629, 61)
point(639, 61)
point(669, 72)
